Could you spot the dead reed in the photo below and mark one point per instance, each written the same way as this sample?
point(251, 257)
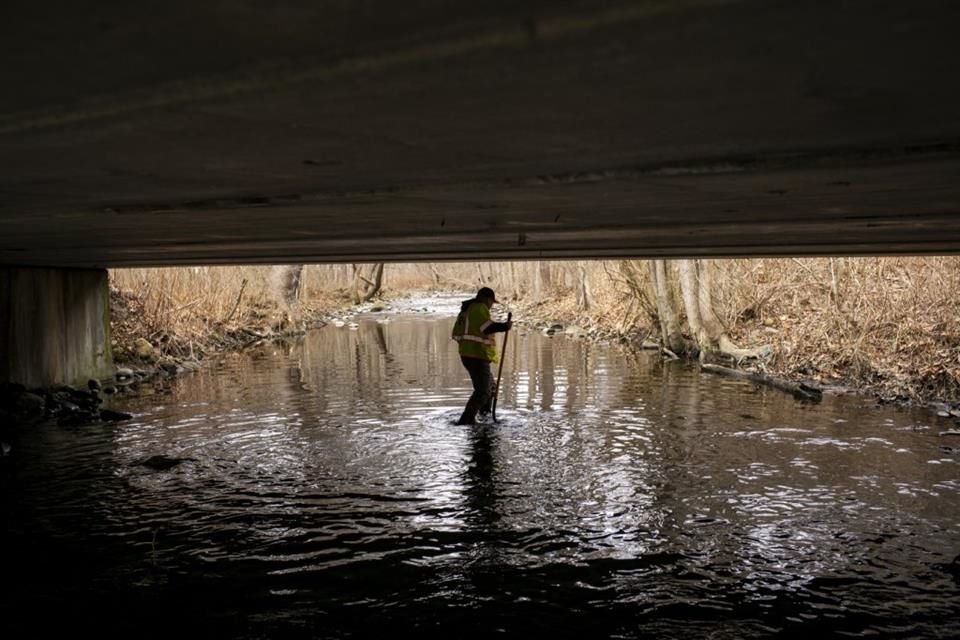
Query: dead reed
point(890, 325)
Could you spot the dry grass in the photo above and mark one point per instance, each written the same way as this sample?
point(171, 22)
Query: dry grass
point(189, 312)
point(886, 324)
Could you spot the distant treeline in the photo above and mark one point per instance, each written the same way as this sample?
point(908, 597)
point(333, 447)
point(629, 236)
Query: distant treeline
point(887, 324)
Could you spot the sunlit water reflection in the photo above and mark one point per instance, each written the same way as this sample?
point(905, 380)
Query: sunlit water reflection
point(326, 493)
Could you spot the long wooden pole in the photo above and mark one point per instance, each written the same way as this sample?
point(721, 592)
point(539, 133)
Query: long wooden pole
point(503, 355)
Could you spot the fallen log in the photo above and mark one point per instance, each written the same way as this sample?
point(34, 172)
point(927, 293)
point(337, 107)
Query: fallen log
point(799, 391)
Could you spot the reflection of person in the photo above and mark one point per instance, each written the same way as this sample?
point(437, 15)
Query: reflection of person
point(473, 330)
point(481, 477)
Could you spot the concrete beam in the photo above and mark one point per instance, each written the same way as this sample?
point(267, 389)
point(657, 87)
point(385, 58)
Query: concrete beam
point(54, 326)
point(321, 131)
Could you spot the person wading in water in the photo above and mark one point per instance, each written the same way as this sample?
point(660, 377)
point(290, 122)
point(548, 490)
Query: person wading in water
point(474, 331)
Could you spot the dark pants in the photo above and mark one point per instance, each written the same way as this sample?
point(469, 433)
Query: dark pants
point(482, 378)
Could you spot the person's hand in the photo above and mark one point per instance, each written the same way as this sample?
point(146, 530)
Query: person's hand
point(509, 324)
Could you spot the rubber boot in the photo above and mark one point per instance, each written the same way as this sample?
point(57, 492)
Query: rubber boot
point(469, 415)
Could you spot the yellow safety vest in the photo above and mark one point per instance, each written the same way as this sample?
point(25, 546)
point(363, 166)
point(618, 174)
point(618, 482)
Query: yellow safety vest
point(468, 332)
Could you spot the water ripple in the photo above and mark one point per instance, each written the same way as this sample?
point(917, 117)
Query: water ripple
point(324, 490)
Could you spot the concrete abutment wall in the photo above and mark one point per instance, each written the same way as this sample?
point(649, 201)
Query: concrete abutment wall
point(54, 326)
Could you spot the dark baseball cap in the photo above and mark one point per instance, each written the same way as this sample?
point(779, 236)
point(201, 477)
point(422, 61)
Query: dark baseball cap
point(486, 292)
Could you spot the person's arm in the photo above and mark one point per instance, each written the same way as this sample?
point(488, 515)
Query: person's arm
point(488, 326)
point(497, 327)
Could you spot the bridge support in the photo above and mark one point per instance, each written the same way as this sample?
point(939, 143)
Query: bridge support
point(54, 326)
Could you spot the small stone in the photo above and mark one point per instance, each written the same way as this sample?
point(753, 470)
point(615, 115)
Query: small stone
point(144, 349)
point(30, 404)
point(161, 463)
point(124, 373)
point(69, 407)
point(110, 415)
point(93, 385)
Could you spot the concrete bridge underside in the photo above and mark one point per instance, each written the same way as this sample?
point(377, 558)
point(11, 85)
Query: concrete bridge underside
point(168, 132)
point(173, 132)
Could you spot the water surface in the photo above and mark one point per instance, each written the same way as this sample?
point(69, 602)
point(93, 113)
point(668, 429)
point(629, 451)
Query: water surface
point(326, 493)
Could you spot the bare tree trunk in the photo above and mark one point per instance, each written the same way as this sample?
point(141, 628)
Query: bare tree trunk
point(708, 318)
point(670, 334)
point(545, 280)
point(695, 279)
point(365, 287)
point(584, 296)
point(566, 276)
point(378, 278)
point(355, 287)
point(689, 288)
point(495, 277)
point(292, 275)
point(286, 284)
point(483, 279)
